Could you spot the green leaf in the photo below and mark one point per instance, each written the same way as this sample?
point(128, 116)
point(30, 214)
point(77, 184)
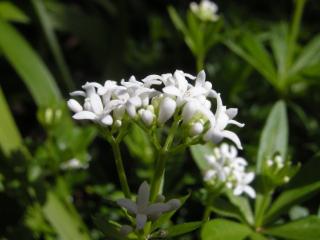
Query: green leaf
point(243, 205)
point(65, 224)
point(47, 27)
point(220, 229)
point(279, 39)
point(289, 198)
point(177, 21)
point(226, 209)
point(199, 152)
point(308, 56)
point(10, 138)
point(9, 12)
point(180, 229)
point(251, 50)
point(274, 138)
point(304, 229)
point(28, 65)
point(139, 144)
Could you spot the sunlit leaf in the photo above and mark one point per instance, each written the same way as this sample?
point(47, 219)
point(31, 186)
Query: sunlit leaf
point(28, 65)
point(304, 229)
point(220, 229)
point(10, 12)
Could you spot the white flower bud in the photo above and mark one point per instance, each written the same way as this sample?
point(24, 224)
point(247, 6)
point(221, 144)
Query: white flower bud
point(118, 123)
point(147, 117)
point(167, 109)
point(107, 120)
point(189, 109)
point(196, 129)
point(74, 106)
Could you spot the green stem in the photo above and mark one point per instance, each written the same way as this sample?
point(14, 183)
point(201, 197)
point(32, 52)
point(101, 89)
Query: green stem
point(212, 195)
point(200, 62)
point(161, 162)
point(121, 172)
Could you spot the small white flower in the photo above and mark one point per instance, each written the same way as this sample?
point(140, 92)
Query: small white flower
point(242, 186)
point(224, 166)
point(73, 163)
point(223, 117)
point(206, 10)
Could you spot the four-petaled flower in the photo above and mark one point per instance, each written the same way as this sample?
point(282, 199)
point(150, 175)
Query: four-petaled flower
point(143, 209)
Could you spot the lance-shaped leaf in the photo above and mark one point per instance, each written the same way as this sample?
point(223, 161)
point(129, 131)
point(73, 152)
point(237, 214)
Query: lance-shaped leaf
point(304, 229)
point(28, 65)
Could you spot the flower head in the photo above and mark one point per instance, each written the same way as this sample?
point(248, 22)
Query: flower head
point(225, 167)
point(206, 10)
point(143, 209)
point(157, 99)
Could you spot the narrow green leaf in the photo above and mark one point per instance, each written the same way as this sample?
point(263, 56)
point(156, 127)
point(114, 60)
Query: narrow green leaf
point(47, 27)
point(62, 221)
point(279, 39)
point(28, 65)
point(259, 65)
point(10, 138)
point(110, 230)
point(308, 57)
point(10, 12)
point(274, 138)
point(304, 229)
point(220, 229)
point(177, 21)
point(289, 198)
point(180, 229)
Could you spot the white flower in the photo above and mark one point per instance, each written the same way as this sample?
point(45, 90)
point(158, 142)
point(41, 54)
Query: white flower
point(243, 180)
point(224, 166)
point(206, 10)
point(73, 163)
point(143, 209)
point(223, 117)
point(190, 98)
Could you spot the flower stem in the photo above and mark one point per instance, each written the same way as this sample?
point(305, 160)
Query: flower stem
point(121, 172)
point(161, 162)
point(207, 211)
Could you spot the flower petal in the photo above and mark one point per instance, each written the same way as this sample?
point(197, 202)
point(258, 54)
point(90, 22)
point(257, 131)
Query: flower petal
point(167, 109)
point(172, 90)
point(141, 220)
point(74, 106)
point(128, 204)
point(157, 208)
point(96, 103)
point(143, 196)
point(84, 115)
point(78, 93)
point(233, 137)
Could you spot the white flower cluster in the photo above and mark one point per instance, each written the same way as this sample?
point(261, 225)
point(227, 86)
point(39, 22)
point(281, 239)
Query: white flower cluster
point(155, 100)
point(206, 10)
point(226, 167)
point(73, 164)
